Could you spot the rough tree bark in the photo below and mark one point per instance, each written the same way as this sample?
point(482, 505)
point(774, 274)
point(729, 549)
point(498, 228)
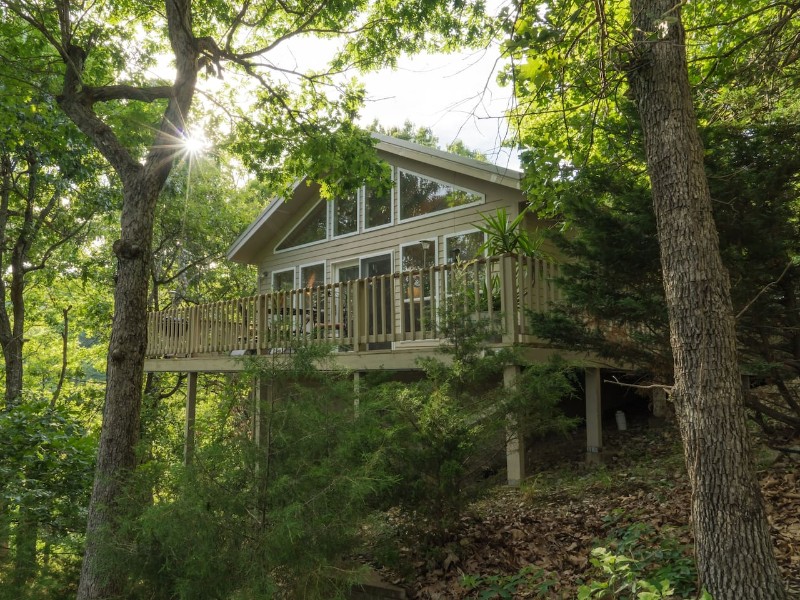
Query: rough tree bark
point(12, 325)
point(142, 183)
point(733, 546)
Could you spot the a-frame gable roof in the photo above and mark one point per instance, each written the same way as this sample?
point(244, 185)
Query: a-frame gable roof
point(269, 223)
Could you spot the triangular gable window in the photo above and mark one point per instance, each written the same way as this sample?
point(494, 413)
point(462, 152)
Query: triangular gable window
point(313, 228)
point(420, 196)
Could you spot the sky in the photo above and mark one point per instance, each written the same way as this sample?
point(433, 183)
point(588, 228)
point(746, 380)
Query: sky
point(455, 95)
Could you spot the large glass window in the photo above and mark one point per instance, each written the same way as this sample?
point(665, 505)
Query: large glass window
point(313, 228)
point(377, 208)
point(421, 196)
point(345, 215)
point(463, 247)
point(283, 280)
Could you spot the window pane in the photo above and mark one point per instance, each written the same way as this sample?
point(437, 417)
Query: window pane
point(283, 280)
point(421, 196)
point(416, 257)
point(312, 229)
point(348, 273)
point(464, 247)
point(312, 276)
point(345, 215)
point(377, 208)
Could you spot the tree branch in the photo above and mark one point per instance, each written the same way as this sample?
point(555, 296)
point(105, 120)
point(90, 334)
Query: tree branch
point(764, 289)
point(53, 247)
point(79, 108)
point(653, 386)
point(62, 375)
point(108, 93)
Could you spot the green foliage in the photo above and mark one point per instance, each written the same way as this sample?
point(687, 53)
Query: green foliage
point(585, 165)
point(284, 513)
point(396, 29)
point(569, 70)
point(508, 586)
point(201, 210)
point(449, 428)
point(614, 300)
point(424, 136)
point(504, 235)
point(46, 467)
point(621, 580)
point(261, 517)
point(641, 563)
point(410, 132)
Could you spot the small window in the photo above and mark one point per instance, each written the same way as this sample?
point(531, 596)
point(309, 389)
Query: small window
point(421, 196)
point(345, 215)
point(313, 228)
point(463, 247)
point(283, 281)
point(377, 208)
point(312, 276)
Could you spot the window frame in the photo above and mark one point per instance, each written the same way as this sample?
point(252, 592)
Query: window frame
point(481, 200)
point(281, 271)
point(332, 218)
point(304, 217)
point(344, 264)
point(402, 268)
point(392, 203)
point(300, 268)
point(449, 236)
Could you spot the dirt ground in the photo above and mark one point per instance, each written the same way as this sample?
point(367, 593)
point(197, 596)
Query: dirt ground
point(552, 522)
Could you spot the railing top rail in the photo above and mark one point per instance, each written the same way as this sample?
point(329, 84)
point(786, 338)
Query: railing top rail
point(285, 294)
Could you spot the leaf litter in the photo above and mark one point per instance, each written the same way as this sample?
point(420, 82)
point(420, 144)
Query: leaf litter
point(552, 522)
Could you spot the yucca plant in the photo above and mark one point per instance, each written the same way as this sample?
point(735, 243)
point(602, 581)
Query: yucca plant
point(504, 236)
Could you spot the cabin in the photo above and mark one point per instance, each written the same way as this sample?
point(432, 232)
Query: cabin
point(369, 275)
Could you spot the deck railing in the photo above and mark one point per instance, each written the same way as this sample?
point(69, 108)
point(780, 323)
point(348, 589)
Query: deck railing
point(362, 314)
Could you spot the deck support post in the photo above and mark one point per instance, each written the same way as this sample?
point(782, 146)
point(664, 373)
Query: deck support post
point(191, 404)
point(262, 396)
point(515, 437)
point(357, 376)
point(594, 414)
point(508, 299)
point(658, 401)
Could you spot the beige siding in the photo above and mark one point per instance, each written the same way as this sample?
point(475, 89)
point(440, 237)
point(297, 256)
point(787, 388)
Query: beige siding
point(389, 239)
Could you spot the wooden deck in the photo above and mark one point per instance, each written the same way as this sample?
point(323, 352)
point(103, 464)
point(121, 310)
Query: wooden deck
point(399, 312)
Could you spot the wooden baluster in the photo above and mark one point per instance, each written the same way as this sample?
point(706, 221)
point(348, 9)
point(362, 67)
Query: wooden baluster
point(213, 325)
point(475, 278)
point(427, 327)
point(489, 288)
point(411, 312)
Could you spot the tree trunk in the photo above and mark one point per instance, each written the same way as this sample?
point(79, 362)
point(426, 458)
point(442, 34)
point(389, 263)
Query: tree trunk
point(142, 184)
point(12, 324)
point(733, 546)
point(124, 372)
